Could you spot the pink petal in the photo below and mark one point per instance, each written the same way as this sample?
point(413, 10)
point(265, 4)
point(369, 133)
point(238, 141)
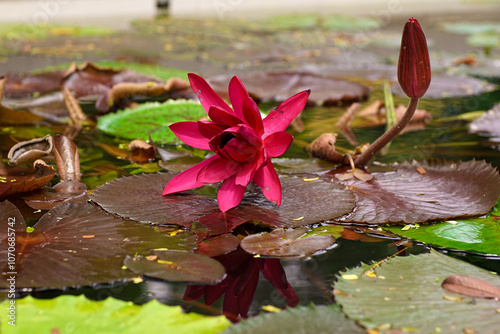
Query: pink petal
point(187, 179)
point(210, 129)
point(237, 95)
point(207, 96)
point(252, 115)
point(277, 143)
point(246, 173)
point(221, 116)
point(250, 135)
point(230, 194)
point(239, 150)
point(279, 118)
point(218, 170)
point(266, 178)
point(189, 133)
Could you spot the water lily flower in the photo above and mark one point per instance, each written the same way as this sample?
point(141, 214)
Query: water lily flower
point(242, 141)
point(414, 66)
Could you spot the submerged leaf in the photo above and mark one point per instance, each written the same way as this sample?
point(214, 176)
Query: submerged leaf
point(177, 266)
point(286, 243)
point(446, 190)
point(79, 315)
point(78, 244)
point(488, 124)
point(405, 292)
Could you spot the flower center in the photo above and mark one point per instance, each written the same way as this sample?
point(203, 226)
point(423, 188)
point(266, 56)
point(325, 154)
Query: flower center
point(225, 138)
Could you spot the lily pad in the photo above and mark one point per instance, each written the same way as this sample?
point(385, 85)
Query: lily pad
point(23, 179)
point(278, 86)
point(218, 245)
point(477, 235)
point(77, 244)
point(79, 315)
point(177, 266)
point(304, 319)
point(305, 201)
point(448, 86)
point(488, 124)
point(286, 243)
point(398, 296)
point(425, 190)
point(151, 119)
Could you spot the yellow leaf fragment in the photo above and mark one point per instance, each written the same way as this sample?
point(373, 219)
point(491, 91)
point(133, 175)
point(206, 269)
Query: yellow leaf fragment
point(452, 298)
point(421, 170)
point(151, 257)
point(88, 236)
point(270, 308)
point(350, 277)
point(311, 179)
point(297, 219)
point(452, 222)
point(137, 280)
point(165, 262)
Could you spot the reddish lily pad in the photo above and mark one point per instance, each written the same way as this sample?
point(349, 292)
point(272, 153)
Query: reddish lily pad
point(25, 85)
point(305, 200)
point(177, 266)
point(278, 86)
point(24, 179)
point(425, 190)
point(218, 245)
point(49, 197)
point(286, 243)
point(76, 244)
point(488, 124)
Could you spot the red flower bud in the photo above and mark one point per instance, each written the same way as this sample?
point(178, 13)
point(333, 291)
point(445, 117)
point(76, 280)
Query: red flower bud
point(414, 67)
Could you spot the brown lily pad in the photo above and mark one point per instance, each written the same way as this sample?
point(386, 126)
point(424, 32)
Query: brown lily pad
point(26, 85)
point(76, 244)
point(218, 245)
point(177, 266)
point(279, 86)
point(24, 179)
point(446, 86)
point(488, 124)
point(305, 200)
point(425, 190)
point(286, 243)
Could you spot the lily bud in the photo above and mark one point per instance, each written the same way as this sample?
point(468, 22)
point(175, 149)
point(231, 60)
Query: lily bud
point(414, 67)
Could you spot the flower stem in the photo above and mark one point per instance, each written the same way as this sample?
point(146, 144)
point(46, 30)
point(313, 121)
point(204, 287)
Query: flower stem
point(388, 136)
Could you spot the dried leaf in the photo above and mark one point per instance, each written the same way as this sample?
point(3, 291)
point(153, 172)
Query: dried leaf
point(471, 287)
point(67, 159)
point(29, 151)
point(323, 147)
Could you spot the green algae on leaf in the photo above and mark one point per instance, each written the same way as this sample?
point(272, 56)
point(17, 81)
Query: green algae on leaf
point(319, 319)
point(177, 266)
point(286, 243)
point(406, 292)
point(425, 190)
point(77, 244)
point(79, 315)
point(476, 235)
point(151, 119)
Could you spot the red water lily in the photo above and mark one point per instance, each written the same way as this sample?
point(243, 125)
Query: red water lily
point(243, 143)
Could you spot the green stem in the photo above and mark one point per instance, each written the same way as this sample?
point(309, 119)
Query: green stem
point(388, 136)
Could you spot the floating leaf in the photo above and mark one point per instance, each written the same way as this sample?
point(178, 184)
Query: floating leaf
point(139, 197)
point(478, 235)
point(78, 244)
point(406, 292)
point(278, 86)
point(79, 315)
point(48, 197)
point(303, 319)
point(446, 190)
point(25, 85)
point(177, 266)
point(219, 245)
point(488, 124)
point(151, 119)
point(445, 86)
point(286, 243)
point(24, 179)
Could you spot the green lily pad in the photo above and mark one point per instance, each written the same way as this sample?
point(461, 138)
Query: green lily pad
point(177, 266)
point(151, 118)
point(78, 315)
point(304, 319)
point(478, 235)
point(286, 243)
point(469, 28)
point(405, 294)
point(335, 22)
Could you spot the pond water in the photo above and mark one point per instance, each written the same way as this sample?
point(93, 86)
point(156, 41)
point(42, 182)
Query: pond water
point(445, 136)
